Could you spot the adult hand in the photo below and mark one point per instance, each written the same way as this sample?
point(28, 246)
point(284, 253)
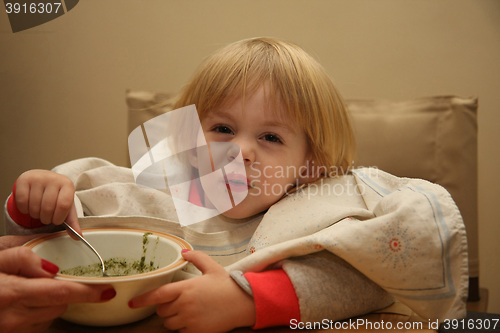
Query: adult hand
point(212, 302)
point(6, 242)
point(29, 296)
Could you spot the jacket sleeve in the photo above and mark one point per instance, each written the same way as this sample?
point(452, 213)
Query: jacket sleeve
point(327, 287)
point(276, 303)
point(312, 288)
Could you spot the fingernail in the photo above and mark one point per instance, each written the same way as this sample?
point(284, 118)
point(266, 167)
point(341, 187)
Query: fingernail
point(108, 294)
point(49, 267)
point(185, 250)
point(131, 304)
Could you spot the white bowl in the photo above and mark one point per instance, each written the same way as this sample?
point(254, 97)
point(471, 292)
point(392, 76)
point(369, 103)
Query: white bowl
point(161, 248)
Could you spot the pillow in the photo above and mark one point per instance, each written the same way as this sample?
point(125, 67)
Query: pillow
point(433, 138)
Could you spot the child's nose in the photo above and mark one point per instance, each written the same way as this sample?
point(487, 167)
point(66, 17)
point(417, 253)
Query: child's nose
point(247, 149)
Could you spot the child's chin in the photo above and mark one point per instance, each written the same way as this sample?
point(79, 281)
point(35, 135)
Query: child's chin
point(238, 213)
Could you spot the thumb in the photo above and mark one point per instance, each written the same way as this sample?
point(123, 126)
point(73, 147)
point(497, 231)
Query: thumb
point(202, 261)
point(72, 221)
point(22, 261)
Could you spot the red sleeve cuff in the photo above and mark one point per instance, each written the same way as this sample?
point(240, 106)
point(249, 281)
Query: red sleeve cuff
point(24, 220)
point(276, 303)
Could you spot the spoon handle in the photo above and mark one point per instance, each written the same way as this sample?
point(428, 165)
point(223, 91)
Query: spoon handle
point(73, 231)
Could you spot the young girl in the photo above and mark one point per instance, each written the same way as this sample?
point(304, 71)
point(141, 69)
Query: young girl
point(311, 241)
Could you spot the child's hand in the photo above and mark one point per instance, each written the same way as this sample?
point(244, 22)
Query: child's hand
point(212, 302)
point(47, 196)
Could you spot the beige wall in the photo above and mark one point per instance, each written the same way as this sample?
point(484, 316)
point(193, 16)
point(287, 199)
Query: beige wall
point(63, 83)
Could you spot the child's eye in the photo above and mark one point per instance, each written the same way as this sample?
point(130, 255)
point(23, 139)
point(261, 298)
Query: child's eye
point(272, 138)
point(222, 129)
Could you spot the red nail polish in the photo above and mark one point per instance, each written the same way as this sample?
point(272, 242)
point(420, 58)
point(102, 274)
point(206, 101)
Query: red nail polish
point(185, 250)
point(131, 304)
point(49, 267)
point(108, 294)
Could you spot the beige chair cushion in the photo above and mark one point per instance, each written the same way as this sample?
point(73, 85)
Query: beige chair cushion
point(431, 138)
point(145, 105)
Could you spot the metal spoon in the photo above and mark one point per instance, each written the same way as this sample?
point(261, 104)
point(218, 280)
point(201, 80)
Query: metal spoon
point(73, 231)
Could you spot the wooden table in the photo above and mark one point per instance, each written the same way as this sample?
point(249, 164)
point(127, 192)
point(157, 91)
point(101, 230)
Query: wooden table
point(154, 324)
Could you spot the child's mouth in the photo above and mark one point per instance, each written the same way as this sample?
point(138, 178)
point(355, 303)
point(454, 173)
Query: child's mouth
point(237, 183)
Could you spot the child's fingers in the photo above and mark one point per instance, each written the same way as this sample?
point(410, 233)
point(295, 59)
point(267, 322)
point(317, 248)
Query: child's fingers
point(48, 204)
point(35, 200)
point(164, 294)
point(21, 193)
point(166, 310)
point(202, 261)
point(174, 323)
point(44, 195)
point(63, 206)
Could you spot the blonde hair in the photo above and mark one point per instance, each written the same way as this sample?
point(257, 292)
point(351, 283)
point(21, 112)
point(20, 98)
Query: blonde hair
point(296, 80)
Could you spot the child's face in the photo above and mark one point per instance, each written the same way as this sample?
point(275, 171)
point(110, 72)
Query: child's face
point(275, 152)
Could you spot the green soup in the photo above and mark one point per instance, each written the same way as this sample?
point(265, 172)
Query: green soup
point(118, 266)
